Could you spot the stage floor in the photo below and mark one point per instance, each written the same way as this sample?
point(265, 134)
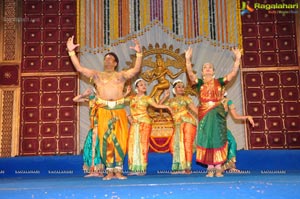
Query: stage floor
point(265, 175)
point(245, 185)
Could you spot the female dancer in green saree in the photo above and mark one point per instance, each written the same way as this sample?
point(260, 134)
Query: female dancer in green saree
point(91, 150)
point(232, 146)
point(212, 130)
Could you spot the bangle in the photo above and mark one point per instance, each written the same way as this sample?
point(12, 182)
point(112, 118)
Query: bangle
point(71, 53)
point(139, 54)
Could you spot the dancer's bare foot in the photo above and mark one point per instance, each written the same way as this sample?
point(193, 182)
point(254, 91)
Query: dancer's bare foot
point(120, 176)
point(187, 171)
point(109, 176)
point(93, 174)
point(141, 173)
point(132, 173)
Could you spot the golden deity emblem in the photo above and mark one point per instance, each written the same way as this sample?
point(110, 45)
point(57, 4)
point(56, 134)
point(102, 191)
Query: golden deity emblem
point(160, 66)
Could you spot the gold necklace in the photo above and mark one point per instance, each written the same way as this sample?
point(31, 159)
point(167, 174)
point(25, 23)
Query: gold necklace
point(109, 75)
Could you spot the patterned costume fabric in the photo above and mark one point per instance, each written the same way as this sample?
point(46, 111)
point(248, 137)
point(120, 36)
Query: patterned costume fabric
point(91, 150)
point(139, 133)
point(182, 141)
point(212, 128)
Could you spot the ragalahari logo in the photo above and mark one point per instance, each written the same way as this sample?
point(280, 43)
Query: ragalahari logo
point(246, 8)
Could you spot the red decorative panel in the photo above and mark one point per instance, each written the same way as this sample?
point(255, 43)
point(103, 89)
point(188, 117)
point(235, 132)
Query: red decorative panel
point(254, 94)
point(31, 146)
point(64, 35)
point(258, 140)
point(49, 99)
point(33, 21)
point(268, 44)
point(66, 145)
point(49, 84)
point(293, 140)
point(290, 94)
point(292, 123)
point(66, 99)
point(255, 109)
point(33, 35)
point(30, 130)
point(32, 64)
point(66, 129)
point(266, 29)
point(65, 64)
point(251, 44)
point(67, 114)
point(51, 35)
point(272, 98)
point(265, 16)
point(50, 49)
point(49, 64)
point(48, 146)
point(9, 75)
point(33, 7)
point(48, 114)
point(31, 85)
point(286, 43)
point(49, 25)
point(51, 7)
point(272, 94)
point(30, 115)
point(32, 49)
point(48, 130)
point(68, 21)
point(275, 35)
point(251, 58)
point(269, 59)
point(68, 7)
point(274, 124)
point(67, 84)
point(31, 100)
point(276, 140)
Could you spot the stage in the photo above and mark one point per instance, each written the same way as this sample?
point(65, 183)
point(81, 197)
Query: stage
point(264, 174)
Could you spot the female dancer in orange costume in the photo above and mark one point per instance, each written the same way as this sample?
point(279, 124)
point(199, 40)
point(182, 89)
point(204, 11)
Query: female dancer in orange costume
point(140, 128)
point(181, 145)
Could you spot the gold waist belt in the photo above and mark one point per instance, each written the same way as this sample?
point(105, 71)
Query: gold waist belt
point(179, 114)
point(110, 104)
point(210, 103)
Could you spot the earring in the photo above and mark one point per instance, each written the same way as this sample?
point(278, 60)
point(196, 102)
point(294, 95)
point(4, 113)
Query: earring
point(173, 91)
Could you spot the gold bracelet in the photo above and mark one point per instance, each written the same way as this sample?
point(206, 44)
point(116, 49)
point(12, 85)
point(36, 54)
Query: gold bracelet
point(139, 54)
point(71, 53)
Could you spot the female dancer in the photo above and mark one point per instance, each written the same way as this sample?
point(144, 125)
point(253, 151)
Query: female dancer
point(91, 150)
point(232, 146)
point(140, 128)
point(212, 130)
point(185, 126)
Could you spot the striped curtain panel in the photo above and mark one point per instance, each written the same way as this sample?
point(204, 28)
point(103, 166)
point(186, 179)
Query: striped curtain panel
point(106, 23)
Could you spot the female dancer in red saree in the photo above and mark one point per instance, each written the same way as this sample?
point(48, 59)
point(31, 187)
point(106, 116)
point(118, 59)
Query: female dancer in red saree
point(212, 130)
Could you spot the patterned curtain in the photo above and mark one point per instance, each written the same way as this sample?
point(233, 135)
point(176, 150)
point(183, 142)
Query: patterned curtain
point(107, 23)
point(210, 27)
